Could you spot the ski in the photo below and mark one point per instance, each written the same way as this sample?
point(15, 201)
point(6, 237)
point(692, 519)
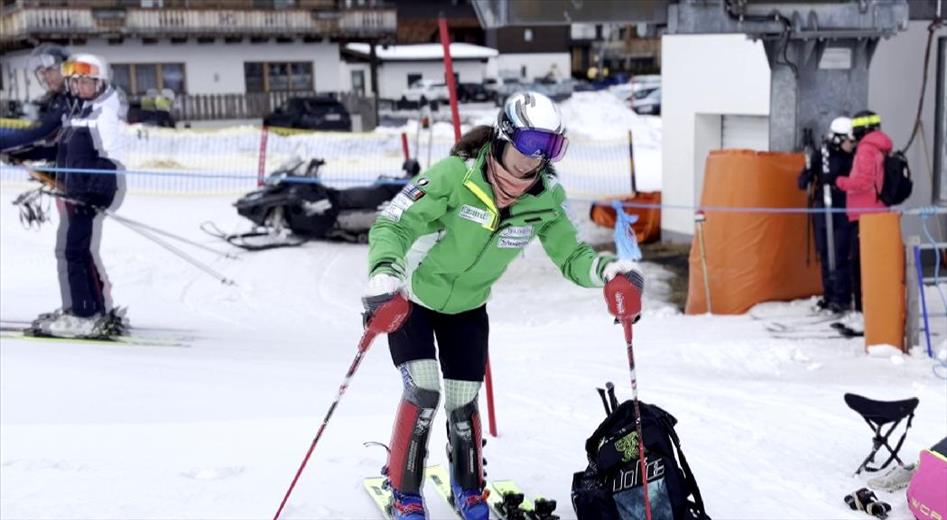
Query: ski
point(508, 502)
point(847, 331)
point(440, 478)
point(380, 495)
point(802, 323)
point(128, 341)
point(8, 324)
point(806, 335)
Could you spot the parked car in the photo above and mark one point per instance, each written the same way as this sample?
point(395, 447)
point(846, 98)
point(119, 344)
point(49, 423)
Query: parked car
point(647, 101)
point(467, 92)
point(311, 113)
point(423, 91)
point(491, 85)
point(508, 87)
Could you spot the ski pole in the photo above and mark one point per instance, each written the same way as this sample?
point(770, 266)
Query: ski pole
point(623, 294)
point(147, 234)
point(388, 318)
point(180, 254)
point(168, 234)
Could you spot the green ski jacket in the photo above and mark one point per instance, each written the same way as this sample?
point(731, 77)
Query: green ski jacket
point(444, 233)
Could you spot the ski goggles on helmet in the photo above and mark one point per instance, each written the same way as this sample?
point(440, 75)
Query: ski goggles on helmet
point(535, 143)
point(864, 121)
point(79, 68)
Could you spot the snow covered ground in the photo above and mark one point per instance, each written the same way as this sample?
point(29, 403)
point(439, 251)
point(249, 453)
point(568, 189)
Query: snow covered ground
point(216, 430)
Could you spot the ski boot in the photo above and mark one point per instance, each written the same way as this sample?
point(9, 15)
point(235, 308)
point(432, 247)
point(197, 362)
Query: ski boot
point(46, 317)
point(466, 464)
point(116, 323)
point(67, 325)
point(405, 468)
point(405, 506)
point(865, 500)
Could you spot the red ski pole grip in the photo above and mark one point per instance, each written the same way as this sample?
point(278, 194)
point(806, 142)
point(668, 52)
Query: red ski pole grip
point(623, 297)
point(390, 316)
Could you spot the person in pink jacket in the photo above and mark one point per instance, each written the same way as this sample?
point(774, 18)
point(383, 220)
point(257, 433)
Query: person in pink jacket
point(863, 184)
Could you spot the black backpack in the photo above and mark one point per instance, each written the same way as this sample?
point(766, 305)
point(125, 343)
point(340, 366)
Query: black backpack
point(897, 184)
point(610, 488)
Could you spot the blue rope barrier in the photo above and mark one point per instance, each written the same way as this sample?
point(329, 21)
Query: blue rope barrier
point(921, 210)
point(202, 175)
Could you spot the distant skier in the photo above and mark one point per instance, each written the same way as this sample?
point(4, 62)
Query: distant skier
point(91, 140)
point(862, 187)
point(39, 141)
point(831, 161)
point(444, 241)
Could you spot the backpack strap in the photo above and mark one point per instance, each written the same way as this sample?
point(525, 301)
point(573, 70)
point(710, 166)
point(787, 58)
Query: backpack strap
point(688, 474)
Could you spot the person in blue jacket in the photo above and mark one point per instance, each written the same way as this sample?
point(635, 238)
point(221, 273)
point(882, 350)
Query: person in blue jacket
point(91, 140)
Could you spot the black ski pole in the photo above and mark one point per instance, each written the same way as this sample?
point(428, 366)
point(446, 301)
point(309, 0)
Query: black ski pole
point(388, 318)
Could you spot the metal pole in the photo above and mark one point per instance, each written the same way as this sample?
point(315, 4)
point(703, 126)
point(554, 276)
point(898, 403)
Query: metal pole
point(700, 217)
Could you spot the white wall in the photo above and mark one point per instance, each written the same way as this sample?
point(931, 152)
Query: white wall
point(537, 64)
point(217, 67)
point(393, 75)
point(703, 76)
point(18, 80)
point(893, 90)
point(708, 75)
point(345, 76)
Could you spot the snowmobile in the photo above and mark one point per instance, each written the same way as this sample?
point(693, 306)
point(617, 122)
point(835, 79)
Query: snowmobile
point(293, 206)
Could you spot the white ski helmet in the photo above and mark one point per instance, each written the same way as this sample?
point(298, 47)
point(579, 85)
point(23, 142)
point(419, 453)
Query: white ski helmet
point(532, 123)
point(841, 126)
point(85, 65)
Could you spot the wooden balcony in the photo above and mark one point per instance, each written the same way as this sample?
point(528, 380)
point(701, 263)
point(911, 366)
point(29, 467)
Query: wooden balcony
point(25, 21)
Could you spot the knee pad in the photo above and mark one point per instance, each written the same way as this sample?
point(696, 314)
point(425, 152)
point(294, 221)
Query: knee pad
point(464, 446)
point(457, 393)
point(421, 373)
point(408, 447)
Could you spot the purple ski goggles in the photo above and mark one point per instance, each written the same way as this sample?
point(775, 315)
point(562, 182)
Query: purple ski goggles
point(533, 143)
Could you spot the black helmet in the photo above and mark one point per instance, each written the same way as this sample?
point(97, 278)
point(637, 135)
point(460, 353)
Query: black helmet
point(865, 122)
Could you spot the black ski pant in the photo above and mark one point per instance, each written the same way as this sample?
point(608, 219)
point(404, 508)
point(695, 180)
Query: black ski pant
point(837, 285)
point(83, 285)
point(461, 341)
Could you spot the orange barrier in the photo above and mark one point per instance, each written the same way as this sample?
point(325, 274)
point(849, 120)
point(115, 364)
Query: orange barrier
point(882, 262)
point(647, 228)
point(752, 257)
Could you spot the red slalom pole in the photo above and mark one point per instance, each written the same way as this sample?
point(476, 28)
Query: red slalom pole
point(623, 296)
point(261, 164)
point(488, 385)
point(387, 318)
point(449, 76)
point(626, 324)
point(455, 118)
point(404, 146)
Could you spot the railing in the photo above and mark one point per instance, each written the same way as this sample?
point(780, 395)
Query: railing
point(187, 4)
point(20, 23)
point(207, 107)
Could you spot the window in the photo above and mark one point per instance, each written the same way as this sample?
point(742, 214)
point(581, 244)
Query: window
point(413, 78)
point(279, 76)
point(136, 78)
point(358, 82)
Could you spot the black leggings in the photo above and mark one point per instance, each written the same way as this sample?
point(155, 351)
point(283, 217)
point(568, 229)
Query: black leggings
point(461, 341)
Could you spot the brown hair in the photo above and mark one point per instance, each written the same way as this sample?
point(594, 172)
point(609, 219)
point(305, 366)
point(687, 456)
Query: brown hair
point(471, 142)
